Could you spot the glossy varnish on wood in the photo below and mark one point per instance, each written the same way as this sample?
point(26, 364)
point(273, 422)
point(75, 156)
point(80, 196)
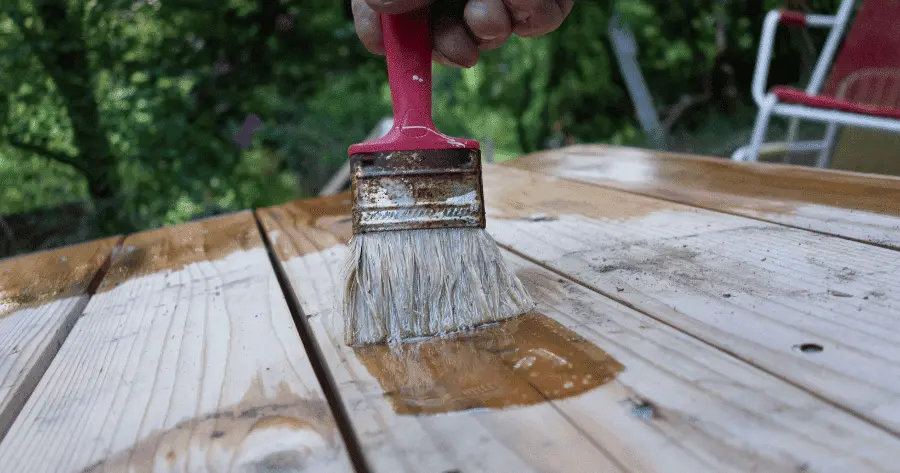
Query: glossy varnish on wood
point(395, 402)
point(171, 249)
point(758, 290)
point(38, 278)
point(667, 337)
point(857, 206)
point(540, 360)
point(186, 360)
point(41, 296)
point(677, 404)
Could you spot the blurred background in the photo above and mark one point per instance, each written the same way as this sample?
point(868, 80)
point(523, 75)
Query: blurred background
point(121, 115)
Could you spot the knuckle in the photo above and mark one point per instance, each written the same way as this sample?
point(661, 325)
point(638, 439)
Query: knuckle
point(395, 6)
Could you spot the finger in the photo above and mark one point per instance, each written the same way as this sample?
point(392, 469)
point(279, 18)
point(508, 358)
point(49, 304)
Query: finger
point(489, 22)
point(453, 45)
point(393, 7)
point(368, 26)
point(537, 17)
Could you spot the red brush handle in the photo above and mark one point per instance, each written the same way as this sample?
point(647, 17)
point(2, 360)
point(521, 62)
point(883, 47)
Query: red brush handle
point(407, 45)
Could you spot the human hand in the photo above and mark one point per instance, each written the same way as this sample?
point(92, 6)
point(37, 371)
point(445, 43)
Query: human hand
point(458, 33)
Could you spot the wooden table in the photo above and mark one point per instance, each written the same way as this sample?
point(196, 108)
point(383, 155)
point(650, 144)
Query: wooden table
point(694, 315)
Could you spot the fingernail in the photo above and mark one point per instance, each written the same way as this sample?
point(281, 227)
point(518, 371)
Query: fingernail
point(477, 8)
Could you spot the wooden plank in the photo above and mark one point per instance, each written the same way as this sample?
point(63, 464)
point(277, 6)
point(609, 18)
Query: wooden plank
point(309, 238)
point(770, 294)
point(851, 205)
point(679, 405)
point(41, 296)
point(187, 359)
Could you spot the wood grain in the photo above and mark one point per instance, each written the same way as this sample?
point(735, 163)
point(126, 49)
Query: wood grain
point(536, 438)
point(819, 311)
point(187, 359)
point(41, 296)
point(851, 205)
point(679, 405)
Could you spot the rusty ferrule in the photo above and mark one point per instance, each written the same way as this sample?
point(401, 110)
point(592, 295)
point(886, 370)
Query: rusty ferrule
point(402, 190)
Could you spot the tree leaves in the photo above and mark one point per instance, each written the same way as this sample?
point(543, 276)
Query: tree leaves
point(144, 96)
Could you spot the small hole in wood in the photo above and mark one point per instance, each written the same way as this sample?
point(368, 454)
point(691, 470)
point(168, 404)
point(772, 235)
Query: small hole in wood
point(809, 347)
point(643, 409)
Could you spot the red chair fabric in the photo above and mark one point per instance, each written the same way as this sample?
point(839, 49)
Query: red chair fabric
point(872, 41)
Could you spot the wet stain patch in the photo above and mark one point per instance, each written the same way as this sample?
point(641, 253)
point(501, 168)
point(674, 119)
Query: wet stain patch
point(171, 249)
point(32, 280)
point(721, 183)
point(308, 226)
point(523, 361)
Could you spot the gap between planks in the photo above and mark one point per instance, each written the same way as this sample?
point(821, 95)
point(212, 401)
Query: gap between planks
point(18, 396)
point(689, 326)
point(620, 300)
point(216, 415)
point(687, 333)
point(309, 238)
point(316, 358)
point(25, 391)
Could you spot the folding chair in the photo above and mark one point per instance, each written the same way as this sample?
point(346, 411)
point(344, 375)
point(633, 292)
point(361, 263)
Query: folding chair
point(862, 89)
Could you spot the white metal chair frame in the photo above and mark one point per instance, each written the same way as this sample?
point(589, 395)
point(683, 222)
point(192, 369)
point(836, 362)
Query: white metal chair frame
point(768, 103)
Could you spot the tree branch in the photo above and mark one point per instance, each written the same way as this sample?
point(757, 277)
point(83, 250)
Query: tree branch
point(14, 246)
point(62, 157)
point(684, 103)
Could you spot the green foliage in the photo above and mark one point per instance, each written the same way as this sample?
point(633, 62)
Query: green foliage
point(129, 106)
point(136, 103)
point(31, 181)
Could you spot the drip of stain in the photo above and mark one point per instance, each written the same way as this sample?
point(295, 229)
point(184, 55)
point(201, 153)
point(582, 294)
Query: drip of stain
point(522, 361)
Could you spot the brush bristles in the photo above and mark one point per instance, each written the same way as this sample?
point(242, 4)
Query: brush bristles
point(409, 283)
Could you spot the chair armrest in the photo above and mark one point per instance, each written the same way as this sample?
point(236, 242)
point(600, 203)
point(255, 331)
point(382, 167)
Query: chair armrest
point(792, 18)
point(767, 41)
point(801, 19)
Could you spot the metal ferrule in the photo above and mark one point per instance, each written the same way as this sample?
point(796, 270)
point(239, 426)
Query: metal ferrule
point(401, 190)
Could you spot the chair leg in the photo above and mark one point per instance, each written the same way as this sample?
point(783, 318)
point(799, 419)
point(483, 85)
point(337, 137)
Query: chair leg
point(793, 129)
point(760, 128)
point(827, 145)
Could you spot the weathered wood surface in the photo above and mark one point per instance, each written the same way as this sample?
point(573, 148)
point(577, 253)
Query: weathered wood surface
point(668, 401)
point(309, 238)
point(41, 296)
point(851, 205)
point(187, 359)
point(819, 311)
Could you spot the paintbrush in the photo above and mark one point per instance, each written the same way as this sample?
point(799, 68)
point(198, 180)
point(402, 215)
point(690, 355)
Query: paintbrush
point(420, 262)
